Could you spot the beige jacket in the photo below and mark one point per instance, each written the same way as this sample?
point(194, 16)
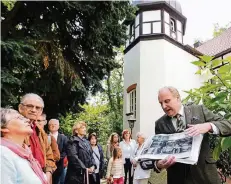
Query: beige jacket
point(46, 149)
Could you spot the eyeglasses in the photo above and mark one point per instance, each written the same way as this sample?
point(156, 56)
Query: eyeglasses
point(31, 107)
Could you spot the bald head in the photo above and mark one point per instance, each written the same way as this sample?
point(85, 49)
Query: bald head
point(172, 90)
point(169, 99)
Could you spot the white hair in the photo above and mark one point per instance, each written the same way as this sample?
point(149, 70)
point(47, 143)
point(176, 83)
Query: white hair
point(140, 134)
point(31, 95)
point(53, 120)
point(6, 114)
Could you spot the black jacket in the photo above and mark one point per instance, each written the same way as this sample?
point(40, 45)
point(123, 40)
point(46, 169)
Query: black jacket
point(80, 157)
point(205, 172)
point(61, 141)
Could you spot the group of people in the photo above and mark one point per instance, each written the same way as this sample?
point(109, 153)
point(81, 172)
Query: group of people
point(123, 166)
point(30, 155)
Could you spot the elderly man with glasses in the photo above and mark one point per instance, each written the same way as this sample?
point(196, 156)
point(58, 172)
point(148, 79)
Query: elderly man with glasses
point(42, 121)
point(31, 106)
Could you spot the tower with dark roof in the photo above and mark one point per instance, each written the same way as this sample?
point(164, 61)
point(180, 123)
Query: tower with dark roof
point(155, 19)
point(155, 56)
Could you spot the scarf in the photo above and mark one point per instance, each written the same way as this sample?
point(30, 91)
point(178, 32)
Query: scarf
point(26, 154)
point(36, 148)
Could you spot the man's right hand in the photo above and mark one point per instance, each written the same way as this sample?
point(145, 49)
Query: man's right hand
point(166, 163)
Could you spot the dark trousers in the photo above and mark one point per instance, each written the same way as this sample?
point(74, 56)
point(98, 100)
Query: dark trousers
point(75, 176)
point(95, 179)
point(57, 175)
point(128, 171)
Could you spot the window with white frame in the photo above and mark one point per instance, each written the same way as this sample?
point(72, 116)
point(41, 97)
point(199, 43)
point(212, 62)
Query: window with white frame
point(173, 24)
point(132, 102)
point(173, 28)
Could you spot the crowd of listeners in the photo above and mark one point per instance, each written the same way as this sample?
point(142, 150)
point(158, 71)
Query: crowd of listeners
point(32, 155)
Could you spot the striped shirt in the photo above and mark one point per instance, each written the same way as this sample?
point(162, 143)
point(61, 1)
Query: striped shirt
point(115, 168)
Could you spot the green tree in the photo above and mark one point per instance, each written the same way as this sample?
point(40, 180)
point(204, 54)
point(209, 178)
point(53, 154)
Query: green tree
point(104, 111)
point(96, 118)
point(215, 94)
point(113, 93)
point(218, 30)
point(60, 50)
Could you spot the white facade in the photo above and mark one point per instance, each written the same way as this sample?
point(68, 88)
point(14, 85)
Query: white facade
point(152, 64)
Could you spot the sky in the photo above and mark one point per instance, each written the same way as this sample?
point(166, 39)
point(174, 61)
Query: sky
point(202, 15)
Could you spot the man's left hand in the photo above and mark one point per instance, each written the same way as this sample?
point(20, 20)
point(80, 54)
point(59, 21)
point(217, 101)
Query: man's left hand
point(49, 177)
point(197, 129)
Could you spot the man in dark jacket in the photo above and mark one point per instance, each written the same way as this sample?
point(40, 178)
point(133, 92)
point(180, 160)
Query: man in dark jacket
point(53, 126)
point(81, 164)
point(194, 120)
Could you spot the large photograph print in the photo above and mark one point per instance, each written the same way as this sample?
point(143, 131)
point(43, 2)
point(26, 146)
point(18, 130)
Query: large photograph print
point(185, 148)
point(165, 145)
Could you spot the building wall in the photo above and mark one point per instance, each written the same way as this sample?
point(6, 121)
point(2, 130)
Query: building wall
point(180, 72)
point(153, 64)
point(152, 77)
point(131, 76)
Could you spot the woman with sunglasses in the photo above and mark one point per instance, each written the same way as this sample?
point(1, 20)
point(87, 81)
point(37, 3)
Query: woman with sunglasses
point(17, 162)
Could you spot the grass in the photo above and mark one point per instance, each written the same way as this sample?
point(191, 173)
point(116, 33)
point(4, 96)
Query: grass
point(158, 178)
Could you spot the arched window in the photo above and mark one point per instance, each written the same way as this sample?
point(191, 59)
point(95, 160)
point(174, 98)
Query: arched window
point(131, 91)
point(132, 102)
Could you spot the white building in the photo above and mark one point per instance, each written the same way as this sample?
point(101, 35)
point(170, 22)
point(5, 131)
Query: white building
point(155, 56)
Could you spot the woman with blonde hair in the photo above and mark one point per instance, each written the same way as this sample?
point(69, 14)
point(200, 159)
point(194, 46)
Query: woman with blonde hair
point(80, 156)
point(112, 143)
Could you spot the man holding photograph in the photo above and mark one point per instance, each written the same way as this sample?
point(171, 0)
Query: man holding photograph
point(194, 120)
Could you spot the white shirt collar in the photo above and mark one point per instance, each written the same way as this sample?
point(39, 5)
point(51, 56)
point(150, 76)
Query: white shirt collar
point(181, 112)
point(55, 135)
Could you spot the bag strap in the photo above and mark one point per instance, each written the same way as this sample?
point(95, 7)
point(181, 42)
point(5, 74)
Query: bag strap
point(96, 155)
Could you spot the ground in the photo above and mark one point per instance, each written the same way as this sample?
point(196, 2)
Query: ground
point(154, 179)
